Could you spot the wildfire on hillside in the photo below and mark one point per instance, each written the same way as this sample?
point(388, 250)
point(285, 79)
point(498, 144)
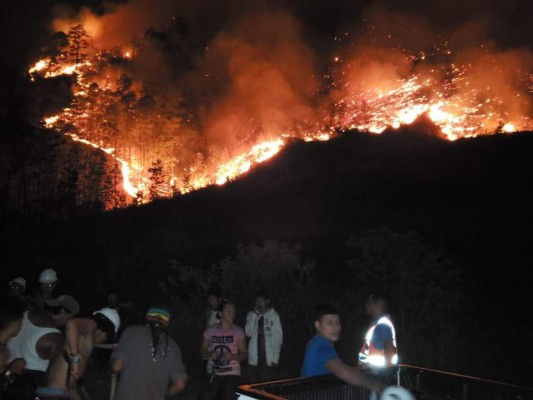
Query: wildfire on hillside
point(252, 90)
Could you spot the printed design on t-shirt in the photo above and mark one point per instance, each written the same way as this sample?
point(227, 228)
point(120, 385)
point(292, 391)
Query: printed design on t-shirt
point(220, 363)
point(221, 339)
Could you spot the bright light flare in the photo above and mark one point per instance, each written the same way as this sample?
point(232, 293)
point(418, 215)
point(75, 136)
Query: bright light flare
point(508, 127)
point(455, 114)
point(39, 66)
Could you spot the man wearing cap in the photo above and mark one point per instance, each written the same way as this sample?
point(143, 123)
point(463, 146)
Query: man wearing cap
point(17, 287)
point(47, 284)
point(40, 340)
point(149, 372)
point(63, 377)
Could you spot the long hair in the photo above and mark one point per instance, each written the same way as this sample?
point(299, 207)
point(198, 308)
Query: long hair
point(157, 332)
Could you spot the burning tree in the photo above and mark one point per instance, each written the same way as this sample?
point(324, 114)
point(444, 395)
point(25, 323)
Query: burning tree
point(78, 44)
point(157, 187)
point(235, 99)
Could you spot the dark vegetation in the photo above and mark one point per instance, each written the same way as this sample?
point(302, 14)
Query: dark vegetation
point(445, 227)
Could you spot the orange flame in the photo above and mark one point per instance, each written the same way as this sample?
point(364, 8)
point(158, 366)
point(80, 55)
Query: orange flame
point(459, 107)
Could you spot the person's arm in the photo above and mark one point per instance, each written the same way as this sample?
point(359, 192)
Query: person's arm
point(74, 328)
point(176, 387)
point(119, 357)
point(204, 349)
point(4, 358)
point(277, 339)
point(352, 376)
point(251, 324)
point(390, 352)
point(117, 366)
point(178, 376)
point(242, 350)
point(50, 345)
point(72, 337)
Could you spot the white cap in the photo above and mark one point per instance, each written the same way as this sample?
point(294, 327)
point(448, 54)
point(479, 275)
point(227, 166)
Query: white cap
point(111, 314)
point(396, 393)
point(48, 276)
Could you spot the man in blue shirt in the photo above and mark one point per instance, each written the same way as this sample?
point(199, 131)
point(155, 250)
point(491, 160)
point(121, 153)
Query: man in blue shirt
point(321, 357)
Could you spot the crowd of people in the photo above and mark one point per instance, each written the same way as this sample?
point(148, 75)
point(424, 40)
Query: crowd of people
point(45, 347)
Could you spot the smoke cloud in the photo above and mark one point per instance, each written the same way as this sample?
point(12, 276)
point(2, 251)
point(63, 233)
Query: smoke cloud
point(252, 71)
point(258, 67)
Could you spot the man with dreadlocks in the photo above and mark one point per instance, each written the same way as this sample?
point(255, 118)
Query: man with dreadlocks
point(148, 360)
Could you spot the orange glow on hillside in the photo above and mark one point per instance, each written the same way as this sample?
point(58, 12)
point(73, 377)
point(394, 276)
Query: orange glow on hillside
point(268, 102)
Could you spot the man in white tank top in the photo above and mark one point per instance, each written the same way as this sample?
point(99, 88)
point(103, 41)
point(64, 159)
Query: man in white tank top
point(40, 339)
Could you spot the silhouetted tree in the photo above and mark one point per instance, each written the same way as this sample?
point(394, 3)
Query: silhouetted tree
point(78, 43)
point(157, 180)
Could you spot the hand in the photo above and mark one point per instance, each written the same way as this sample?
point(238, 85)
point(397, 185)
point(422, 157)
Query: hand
point(180, 385)
point(75, 371)
point(378, 387)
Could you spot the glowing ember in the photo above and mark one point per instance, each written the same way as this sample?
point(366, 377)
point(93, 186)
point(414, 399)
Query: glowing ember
point(39, 66)
point(453, 98)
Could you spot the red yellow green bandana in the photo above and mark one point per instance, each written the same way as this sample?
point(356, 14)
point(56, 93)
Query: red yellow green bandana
point(158, 315)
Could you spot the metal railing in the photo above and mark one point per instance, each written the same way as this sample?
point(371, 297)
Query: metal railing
point(424, 383)
point(431, 384)
point(316, 388)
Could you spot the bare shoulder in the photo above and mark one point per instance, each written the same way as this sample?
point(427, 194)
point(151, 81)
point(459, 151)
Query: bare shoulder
point(51, 339)
point(86, 325)
point(49, 344)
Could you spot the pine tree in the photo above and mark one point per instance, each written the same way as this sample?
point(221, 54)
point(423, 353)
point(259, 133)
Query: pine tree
point(157, 180)
point(78, 43)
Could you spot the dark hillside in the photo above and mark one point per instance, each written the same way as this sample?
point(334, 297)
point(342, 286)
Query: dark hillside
point(472, 198)
point(469, 197)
